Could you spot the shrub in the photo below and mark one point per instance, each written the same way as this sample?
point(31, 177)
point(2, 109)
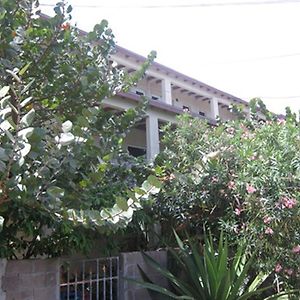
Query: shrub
point(242, 175)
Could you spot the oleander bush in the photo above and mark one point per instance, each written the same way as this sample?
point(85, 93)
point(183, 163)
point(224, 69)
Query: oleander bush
point(242, 176)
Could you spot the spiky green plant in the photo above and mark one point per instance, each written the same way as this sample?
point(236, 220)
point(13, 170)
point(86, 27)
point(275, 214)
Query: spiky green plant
point(211, 275)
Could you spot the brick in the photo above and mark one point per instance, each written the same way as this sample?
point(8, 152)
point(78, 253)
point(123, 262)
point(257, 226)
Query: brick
point(10, 283)
point(27, 280)
point(45, 294)
point(19, 266)
point(3, 263)
point(20, 295)
point(52, 279)
point(46, 265)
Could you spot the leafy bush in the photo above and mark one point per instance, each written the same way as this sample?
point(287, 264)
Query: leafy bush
point(242, 175)
point(62, 166)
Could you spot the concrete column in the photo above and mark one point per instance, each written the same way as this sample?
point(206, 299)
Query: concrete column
point(129, 263)
point(152, 135)
point(148, 90)
point(166, 91)
point(214, 108)
point(248, 115)
point(3, 263)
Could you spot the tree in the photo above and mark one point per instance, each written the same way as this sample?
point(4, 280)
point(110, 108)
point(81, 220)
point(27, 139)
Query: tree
point(241, 175)
point(62, 166)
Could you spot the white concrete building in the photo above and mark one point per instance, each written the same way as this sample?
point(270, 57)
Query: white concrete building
point(170, 93)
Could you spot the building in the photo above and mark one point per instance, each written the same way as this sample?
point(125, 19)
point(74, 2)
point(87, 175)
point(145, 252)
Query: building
point(170, 93)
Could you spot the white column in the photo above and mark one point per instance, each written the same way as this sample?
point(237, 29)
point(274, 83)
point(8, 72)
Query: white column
point(152, 135)
point(148, 90)
point(166, 91)
point(247, 112)
point(214, 108)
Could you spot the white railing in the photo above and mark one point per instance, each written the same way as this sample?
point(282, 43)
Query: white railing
point(90, 279)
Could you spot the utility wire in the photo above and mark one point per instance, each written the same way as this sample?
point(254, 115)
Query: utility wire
point(204, 4)
point(281, 97)
point(251, 59)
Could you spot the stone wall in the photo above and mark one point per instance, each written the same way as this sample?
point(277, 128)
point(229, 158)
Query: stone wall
point(33, 279)
point(129, 268)
point(39, 279)
point(3, 263)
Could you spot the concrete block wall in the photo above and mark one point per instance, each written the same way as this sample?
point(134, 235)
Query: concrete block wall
point(39, 279)
point(129, 268)
point(3, 263)
point(33, 279)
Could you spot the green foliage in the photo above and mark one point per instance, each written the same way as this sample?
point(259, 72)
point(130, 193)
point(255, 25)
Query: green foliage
point(242, 175)
point(62, 167)
point(208, 275)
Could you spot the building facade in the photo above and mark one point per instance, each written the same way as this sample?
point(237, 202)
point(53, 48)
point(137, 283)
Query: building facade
point(170, 93)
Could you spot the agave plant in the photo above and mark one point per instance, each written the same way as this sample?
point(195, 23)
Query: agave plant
point(210, 275)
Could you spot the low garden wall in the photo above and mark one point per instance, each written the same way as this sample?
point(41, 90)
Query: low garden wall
point(39, 279)
point(32, 279)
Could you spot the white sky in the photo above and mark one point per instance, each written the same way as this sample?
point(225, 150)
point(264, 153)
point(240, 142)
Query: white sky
point(246, 50)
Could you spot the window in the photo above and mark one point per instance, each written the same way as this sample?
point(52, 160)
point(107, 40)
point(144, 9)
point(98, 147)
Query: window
point(154, 97)
point(140, 92)
point(185, 108)
point(201, 113)
point(136, 151)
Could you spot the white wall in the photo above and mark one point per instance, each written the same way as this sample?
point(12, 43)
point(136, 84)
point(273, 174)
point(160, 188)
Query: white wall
point(226, 114)
point(136, 137)
point(195, 105)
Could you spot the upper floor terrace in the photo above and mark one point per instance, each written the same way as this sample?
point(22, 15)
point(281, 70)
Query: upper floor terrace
point(176, 92)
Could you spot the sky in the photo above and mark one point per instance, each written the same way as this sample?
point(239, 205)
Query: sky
point(248, 48)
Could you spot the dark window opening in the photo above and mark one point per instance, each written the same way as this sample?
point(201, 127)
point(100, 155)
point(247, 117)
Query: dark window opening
point(140, 93)
point(136, 152)
point(155, 97)
point(201, 113)
point(185, 108)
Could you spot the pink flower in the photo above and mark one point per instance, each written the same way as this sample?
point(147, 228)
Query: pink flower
point(238, 211)
point(278, 268)
point(230, 130)
point(172, 176)
point(281, 121)
point(250, 189)
point(214, 179)
point(289, 271)
point(267, 219)
point(65, 26)
point(296, 249)
point(269, 230)
point(231, 185)
point(289, 202)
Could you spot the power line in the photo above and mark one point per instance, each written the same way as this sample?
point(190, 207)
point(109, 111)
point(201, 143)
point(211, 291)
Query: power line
point(204, 4)
point(252, 59)
point(281, 97)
